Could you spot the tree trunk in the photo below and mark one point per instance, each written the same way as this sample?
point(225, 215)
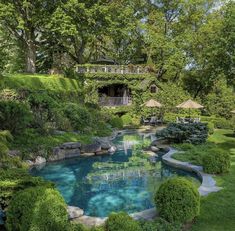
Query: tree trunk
point(30, 57)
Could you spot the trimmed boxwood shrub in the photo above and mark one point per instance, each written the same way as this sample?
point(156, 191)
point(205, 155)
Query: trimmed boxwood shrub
point(216, 161)
point(120, 222)
point(195, 133)
point(177, 200)
point(36, 209)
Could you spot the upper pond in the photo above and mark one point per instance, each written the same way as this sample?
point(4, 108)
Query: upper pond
point(124, 181)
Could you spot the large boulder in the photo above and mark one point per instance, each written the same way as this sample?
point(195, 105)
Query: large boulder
point(90, 221)
point(39, 160)
point(112, 150)
point(104, 142)
point(159, 142)
point(91, 148)
point(154, 149)
point(74, 212)
point(61, 153)
point(150, 153)
point(70, 145)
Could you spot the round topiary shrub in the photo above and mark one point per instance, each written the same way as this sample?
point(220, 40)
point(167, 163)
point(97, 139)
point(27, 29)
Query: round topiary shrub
point(120, 222)
point(177, 200)
point(216, 161)
point(36, 209)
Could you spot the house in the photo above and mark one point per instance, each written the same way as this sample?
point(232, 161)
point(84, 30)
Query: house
point(115, 85)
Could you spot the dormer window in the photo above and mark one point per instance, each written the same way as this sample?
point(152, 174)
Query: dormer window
point(153, 88)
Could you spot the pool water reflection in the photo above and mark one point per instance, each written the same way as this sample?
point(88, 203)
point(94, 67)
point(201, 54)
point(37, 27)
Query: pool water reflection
point(124, 181)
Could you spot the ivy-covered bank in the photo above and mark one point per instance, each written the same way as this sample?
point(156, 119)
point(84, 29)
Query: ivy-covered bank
point(139, 84)
point(43, 111)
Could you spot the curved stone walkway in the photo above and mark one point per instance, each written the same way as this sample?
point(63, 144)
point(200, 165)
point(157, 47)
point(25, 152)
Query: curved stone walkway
point(208, 184)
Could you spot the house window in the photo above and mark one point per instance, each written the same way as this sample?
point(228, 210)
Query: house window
point(153, 89)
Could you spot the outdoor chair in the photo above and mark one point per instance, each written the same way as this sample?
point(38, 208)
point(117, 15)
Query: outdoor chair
point(153, 120)
point(159, 121)
point(145, 121)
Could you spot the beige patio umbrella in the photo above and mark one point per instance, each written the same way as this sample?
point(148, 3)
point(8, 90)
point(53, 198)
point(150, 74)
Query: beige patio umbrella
point(152, 103)
point(190, 104)
point(233, 111)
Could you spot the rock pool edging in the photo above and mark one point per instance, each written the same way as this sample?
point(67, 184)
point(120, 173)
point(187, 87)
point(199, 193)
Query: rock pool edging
point(76, 214)
point(208, 184)
point(99, 146)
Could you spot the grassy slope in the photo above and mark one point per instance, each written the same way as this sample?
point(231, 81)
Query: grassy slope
point(218, 209)
point(39, 82)
point(32, 141)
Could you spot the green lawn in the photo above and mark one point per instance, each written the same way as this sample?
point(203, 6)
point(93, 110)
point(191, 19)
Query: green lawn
point(218, 209)
point(55, 83)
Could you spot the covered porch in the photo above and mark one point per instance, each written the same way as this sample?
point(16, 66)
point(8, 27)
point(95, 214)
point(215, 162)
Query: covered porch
point(114, 95)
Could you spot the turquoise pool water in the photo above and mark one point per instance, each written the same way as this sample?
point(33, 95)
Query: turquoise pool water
point(124, 181)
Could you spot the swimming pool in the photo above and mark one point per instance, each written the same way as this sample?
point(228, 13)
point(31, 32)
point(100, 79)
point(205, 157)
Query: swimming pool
point(124, 181)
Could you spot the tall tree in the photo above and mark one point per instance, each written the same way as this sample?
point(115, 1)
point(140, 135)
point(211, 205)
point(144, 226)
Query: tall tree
point(24, 19)
point(88, 29)
point(211, 51)
point(169, 27)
